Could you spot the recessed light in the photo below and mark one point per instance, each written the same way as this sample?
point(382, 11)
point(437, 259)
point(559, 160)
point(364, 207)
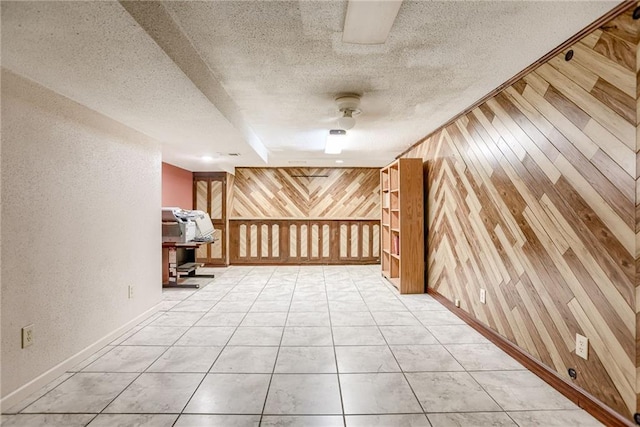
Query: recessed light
point(207, 159)
point(339, 161)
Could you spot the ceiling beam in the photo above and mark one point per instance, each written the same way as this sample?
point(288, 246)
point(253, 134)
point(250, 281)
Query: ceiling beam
point(154, 18)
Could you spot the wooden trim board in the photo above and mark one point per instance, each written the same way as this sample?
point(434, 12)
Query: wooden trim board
point(580, 397)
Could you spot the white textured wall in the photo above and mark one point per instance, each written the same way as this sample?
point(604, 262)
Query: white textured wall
point(81, 197)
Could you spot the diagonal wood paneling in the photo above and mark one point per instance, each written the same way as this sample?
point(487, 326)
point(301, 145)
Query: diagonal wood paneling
point(534, 196)
point(328, 193)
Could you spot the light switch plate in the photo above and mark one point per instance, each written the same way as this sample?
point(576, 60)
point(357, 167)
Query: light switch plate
point(483, 296)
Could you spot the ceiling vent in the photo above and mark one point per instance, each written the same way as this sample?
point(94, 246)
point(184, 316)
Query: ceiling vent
point(233, 154)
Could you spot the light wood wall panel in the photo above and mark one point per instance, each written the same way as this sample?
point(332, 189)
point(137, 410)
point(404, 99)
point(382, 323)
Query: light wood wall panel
point(533, 196)
point(319, 193)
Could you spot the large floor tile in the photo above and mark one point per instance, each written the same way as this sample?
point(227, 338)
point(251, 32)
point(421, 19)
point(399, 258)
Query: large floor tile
point(187, 420)
point(382, 393)
point(521, 390)
point(37, 395)
point(206, 336)
point(104, 350)
point(221, 319)
point(246, 360)
point(398, 335)
point(457, 334)
point(194, 305)
point(83, 393)
point(303, 394)
point(308, 319)
point(178, 318)
point(230, 394)
point(309, 305)
point(347, 305)
point(476, 419)
point(126, 359)
point(133, 420)
point(425, 358)
point(257, 335)
point(261, 306)
point(406, 420)
point(483, 357)
point(49, 420)
point(382, 305)
point(574, 418)
point(342, 295)
point(371, 359)
point(450, 392)
point(356, 318)
point(156, 335)
point(357, 335)
point(186, 359)
point(265, 319)
point(302, 421)
point(395, 318)
point(306, 360)
point(299, 336)
point(156, 393)
point(438, 317)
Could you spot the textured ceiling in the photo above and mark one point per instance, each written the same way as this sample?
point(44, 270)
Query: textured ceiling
point(259, 77)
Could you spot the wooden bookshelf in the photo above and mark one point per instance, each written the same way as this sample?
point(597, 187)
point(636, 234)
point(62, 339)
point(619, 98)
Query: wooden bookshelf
point(402, 237)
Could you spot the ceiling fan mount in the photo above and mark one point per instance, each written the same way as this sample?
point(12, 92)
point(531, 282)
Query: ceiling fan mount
point(348, 105)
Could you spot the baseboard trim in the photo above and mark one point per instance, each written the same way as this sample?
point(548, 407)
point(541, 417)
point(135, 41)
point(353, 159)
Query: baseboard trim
point(40, 381)
point(577, 395)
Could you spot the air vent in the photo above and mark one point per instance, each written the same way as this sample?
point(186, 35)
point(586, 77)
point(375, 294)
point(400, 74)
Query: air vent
point(233, 154)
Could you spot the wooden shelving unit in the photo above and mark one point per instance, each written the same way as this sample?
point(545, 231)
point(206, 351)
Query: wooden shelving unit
point(402, 237)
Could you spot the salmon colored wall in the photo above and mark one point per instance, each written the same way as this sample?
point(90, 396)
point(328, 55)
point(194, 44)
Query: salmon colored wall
point(177, 187)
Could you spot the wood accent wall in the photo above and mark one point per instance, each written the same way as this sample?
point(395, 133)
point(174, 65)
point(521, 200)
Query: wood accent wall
point(301, 193)
point(533, 196)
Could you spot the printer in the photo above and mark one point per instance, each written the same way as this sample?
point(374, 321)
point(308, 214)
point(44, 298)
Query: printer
point(177, 227)
point(182, 226)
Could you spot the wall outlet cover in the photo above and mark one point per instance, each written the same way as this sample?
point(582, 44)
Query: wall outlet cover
point(27, 336)
point(582, 346)
point(483, 296)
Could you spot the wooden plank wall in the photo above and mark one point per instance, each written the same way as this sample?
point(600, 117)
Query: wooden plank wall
point(532, 196)
point(318, 193)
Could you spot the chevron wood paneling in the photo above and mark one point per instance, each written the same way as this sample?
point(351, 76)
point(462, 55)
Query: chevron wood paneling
point(318, 193)
point(534, 196)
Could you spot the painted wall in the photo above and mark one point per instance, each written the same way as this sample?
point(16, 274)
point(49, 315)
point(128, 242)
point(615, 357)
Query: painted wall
point(330, 193)
point(532, 196)
point(177, 187)
point(83, 195)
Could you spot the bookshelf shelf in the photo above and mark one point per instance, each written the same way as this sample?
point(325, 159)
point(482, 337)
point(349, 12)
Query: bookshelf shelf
point(403, 225)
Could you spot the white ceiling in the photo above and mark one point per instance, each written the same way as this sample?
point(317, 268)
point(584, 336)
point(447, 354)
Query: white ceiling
point(259, 78)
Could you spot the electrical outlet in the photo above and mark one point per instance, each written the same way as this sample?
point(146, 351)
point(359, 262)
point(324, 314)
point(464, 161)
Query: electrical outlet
point(27, 336)
point(130, 292)
point(582, 346)
point(457, 302)
point(483, 296)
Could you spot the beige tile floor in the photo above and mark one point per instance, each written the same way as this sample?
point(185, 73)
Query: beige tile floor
point(298, 346)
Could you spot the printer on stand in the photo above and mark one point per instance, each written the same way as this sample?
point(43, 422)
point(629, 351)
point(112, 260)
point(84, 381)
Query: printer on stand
point(177, 227)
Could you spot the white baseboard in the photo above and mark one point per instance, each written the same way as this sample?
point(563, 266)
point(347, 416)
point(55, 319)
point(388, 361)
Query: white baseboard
point(40, 381)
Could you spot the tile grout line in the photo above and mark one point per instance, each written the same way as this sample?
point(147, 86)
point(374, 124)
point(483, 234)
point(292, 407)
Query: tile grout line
point(226, 343)
point(275, 362)
point(155, 360)
point(335, 356)
point(396, 359)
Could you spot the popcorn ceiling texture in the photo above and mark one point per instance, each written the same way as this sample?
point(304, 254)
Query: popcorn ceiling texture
point(80, 192)
point(281, 64)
